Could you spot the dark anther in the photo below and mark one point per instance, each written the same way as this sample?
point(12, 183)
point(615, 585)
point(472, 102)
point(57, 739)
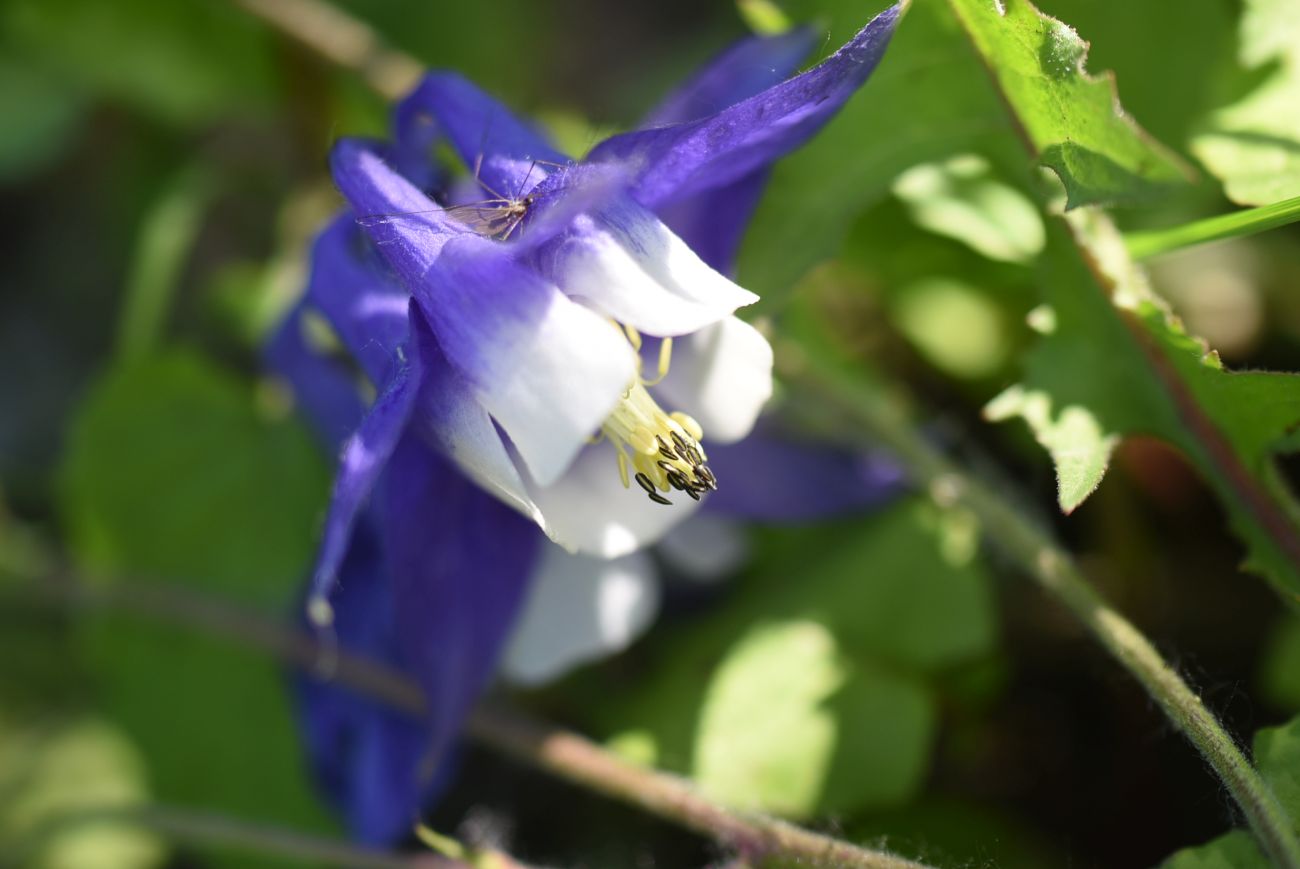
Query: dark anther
point(644, 482)
point(665, 450)
point(660, 499)
point(678, 480)
point(682, 446)
point(694, 494)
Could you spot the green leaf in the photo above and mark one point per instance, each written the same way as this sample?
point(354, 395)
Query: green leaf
point(1146, 375)
point(1279, 673)
point(1073, 436)
point(954, 326)
point(1117, 361)
point(1071, 119)
point(817, 695)
point(960, 198)
point(176, 470)
point(163, 245)
point(780, 704)
point(41, 113)
point(184, 62)
point(1166, 86)
point(1253, 145)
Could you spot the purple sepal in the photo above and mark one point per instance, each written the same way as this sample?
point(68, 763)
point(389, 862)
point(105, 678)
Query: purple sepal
point(365, 455)
point(432, 582)
point(503, 149)
point(713, 223)
point(365, 754)
point(681, 160)
point(770, 478)
point(746, 68)
point(322, 388)
point(359, 296)
point(460, 561)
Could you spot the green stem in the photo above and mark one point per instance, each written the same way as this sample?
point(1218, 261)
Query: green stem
point(1249, 221)
point(164, 242)
point(1008, 527)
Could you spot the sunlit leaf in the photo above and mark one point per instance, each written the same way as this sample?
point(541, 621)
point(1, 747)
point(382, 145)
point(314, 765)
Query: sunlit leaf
point(1253, 145)
point(1079, 447)
point(955, 327)
point(1071, 118)
point(1116, 362)
point(960, 198)
point(1166, 87)
point(50, 774)
point(840, 664)
point(781, 712)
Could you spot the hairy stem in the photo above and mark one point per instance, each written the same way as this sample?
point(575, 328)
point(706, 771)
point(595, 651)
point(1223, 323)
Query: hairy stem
point(757, 838)
point(1008, 526)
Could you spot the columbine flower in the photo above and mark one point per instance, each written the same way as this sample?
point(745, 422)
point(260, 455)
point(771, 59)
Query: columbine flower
point(513, 355)
point(564, 353)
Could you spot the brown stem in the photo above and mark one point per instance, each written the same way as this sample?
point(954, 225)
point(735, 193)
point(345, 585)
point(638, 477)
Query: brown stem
point(757, 838)
point(561, 753)
point(343, 40)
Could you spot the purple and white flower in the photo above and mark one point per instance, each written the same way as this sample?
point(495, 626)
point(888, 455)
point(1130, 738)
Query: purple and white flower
point(565, 356)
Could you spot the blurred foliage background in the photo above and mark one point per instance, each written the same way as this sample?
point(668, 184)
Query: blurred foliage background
point(162, 167)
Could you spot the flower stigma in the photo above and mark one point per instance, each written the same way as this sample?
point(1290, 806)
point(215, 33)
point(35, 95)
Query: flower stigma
point(660, 450)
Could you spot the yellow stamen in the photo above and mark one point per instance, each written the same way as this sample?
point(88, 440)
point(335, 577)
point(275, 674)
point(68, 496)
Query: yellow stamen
point(622, 466)
point(633, 337)
point(665, 359)
point(661, 451)
point(664, 448)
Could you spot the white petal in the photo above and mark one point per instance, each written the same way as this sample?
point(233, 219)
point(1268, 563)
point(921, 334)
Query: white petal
point(546, 368)
point(722, 376)
point(580, 609)
point(707, 548)
point(628, 264)
point(589, 511)
point(454, 420)
point(566, 376)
